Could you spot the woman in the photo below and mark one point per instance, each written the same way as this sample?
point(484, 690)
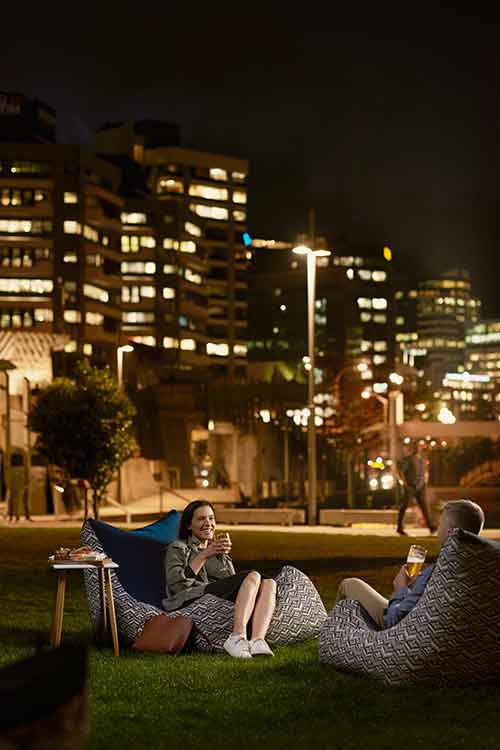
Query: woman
point(198, 564)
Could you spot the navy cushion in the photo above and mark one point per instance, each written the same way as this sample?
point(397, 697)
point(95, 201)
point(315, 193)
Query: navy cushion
point(165, 530)
point(141, 561)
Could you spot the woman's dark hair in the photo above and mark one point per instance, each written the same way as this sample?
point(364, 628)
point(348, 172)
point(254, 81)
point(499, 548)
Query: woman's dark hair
point(187, 517)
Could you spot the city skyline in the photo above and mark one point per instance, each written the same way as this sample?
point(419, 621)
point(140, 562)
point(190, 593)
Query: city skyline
point(384, 121)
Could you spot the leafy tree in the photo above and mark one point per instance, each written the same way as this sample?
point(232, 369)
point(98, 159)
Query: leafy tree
point(84, 426)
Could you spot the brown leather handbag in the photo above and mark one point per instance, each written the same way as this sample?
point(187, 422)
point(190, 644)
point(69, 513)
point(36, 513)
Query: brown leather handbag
point(164, 635)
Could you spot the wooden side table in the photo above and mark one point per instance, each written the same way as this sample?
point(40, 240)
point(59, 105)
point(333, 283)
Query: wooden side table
point(107, 603)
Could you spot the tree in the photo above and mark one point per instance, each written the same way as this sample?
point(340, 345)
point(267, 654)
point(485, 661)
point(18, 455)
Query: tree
point(84, 426)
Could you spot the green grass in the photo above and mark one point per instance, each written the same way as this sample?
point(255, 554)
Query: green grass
point(193, 701)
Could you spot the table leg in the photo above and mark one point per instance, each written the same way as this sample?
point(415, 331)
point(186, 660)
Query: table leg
point(57, 617)
point(104, 606)
point(112, 613)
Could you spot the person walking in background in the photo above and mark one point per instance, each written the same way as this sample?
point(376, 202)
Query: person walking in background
point(413, 473)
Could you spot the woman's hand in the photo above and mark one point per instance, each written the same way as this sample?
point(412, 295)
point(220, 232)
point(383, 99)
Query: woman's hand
point(217, 547)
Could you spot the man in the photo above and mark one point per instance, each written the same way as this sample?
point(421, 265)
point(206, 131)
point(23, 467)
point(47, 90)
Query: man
point(462, 514)
point(413, 474)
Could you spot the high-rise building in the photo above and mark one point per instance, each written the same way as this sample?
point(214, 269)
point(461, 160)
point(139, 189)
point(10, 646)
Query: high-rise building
point(213, 188)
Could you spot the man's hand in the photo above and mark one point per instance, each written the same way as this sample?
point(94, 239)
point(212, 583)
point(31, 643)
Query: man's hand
point(403, 580)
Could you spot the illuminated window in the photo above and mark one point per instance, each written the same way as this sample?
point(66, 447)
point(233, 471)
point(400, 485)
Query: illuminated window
point(138, 317)
point(90, 233)
point(71, 346)
point(168, 292)
point(170, 343)
point(147, 267)
point(194, 278)
point(240, 350)
point(364, 302)
point(95, 292)
point(349, 273)
point(219, 350)
point(94, 319)
point(365, 317)
point(379, 359)
point(379, 303)
point(70, 257)
point(191, 228)
point(400, 321)
point(88, 349)
point(412, 294)
point(209, 193)
point(366, 346)
point(364, 274)
point(379, 318)
point(146, 340)
point(218, 174)
point(72, 316)
point(169, 185)
point(43, 315)
point(70, 197)
point(170, 244)
point(188, 345)
point(239, 196)
point(133, 218)
point(380, 346)
point(239, 176)
point(93, 259)
point(209, 212)
point(26, 286)
point(379, 276)
point(240, 215)
point(399, 295)
point(167, 269)
point(72, 227)
point(147, 292)
point(187, 246)
point(147, 241)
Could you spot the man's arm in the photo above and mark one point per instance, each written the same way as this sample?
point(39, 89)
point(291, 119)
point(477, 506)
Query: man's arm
point(405, 599)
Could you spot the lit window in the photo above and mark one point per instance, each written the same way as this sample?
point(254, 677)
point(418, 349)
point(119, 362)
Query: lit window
point(138, 267)
point(71, 346)
point(170, 343)
point(147, 241)
point(94, 319)
point(219, 350)
point(72, 316)
point(72, 227)
point(146, 340)
point(169, 185)
point(95, 292)
point(170, 244)
point(26, 286)
point(147, 292)
point(70, 197)
point(90, 233)
point(194, 278)
point(187, 246)
point(191, 228)
point(133, 218)
point(380, 318)
point(218, 174)
point(167, 269)
point(70, 257)
point(399, 295)
point(138, 317)
point(88, 349)
point(43, 315)
point(240, 215)
point(364, 302)
point(400, 321)
point(365, 317)
point(380, 346)
point(239, 197)
point(366, 346)
point(379, 275)
point(239, 176)
point(379, 359)
point(209, 212)
point(364, 274)
point(349, 273)
point(379, 303)
point(240, 350)
point(188, 345)
point(209, 193)
point(168, 292)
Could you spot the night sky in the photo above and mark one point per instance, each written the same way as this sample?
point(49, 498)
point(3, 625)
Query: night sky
point(383, 118)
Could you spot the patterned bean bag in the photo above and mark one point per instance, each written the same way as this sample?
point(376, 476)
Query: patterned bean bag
point(299, 612)
point(452, 636)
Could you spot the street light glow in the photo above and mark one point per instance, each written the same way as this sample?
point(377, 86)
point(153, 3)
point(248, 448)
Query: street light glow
point(366, 394)
point(396, 378)
point(304, 250)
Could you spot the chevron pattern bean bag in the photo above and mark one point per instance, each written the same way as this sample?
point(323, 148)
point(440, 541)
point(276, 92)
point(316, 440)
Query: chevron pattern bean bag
point(452, 637)
point(299, 612)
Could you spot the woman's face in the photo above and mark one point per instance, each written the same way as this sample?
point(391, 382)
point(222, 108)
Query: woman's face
point(203, 523)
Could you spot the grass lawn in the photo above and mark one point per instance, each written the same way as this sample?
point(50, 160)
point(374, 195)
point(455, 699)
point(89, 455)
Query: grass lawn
point(150, 701)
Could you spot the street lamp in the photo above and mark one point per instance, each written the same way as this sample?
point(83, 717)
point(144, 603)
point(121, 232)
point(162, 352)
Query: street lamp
point(120, 351)
point(311, 255)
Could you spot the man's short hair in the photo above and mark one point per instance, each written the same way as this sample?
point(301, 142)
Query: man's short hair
point(464, 514)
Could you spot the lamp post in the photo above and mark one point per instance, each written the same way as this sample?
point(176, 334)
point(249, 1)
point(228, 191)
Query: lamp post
point(120, 351)
point(311, 255)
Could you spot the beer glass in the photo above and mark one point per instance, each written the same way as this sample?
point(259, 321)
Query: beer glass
point(415, 560)
point(222, 536)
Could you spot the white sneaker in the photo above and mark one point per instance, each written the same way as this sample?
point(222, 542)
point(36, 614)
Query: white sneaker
point(259, 647)
point(238, 646)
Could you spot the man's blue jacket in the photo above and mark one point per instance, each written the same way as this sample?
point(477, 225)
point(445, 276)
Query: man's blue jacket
point(406, 598)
